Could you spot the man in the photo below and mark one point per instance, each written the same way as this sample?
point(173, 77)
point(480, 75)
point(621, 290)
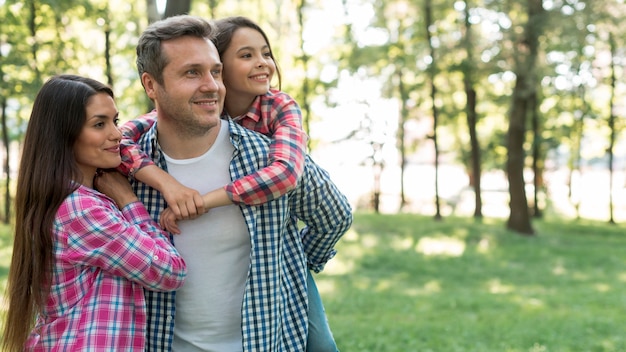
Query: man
point(246, 285)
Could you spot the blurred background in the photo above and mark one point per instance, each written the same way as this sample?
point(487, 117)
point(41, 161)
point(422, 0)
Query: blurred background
point(480, 142)
point(507, 109)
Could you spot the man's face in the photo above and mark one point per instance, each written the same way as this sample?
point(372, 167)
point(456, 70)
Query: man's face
point(192, 94)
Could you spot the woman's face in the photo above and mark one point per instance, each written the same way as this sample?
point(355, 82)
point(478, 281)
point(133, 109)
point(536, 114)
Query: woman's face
point(98, 145)
point(248, 64)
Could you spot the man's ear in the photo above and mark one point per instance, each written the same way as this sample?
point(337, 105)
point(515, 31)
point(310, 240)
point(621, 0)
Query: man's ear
point(149, 85)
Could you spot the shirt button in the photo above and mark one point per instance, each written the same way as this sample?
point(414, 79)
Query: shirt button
point(156, 257)
point(168, 318)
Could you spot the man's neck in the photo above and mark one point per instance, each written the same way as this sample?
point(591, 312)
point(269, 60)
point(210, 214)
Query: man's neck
point(180, 145)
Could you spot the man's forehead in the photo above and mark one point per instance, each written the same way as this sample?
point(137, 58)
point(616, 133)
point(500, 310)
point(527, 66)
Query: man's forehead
point(186, 50)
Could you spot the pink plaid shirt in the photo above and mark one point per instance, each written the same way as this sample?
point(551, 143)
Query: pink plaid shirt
point(275, 115)
point(103, 257)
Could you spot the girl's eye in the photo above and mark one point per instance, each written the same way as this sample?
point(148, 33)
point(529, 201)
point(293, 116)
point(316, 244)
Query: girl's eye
point(116, 121)
point(269, 55)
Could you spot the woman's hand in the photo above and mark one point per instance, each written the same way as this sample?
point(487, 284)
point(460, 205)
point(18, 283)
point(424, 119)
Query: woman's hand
point(116, 186)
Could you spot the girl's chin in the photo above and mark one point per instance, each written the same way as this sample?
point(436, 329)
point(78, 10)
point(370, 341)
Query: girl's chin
point(261, 90)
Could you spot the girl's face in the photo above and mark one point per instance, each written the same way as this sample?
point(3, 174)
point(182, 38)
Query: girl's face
point(248, 64)
point(98, 145)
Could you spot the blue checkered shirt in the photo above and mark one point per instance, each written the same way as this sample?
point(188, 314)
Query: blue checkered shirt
point(274, 310)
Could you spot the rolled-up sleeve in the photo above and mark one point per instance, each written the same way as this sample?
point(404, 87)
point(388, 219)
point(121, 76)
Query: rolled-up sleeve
point(125, 243)
point(133, 157)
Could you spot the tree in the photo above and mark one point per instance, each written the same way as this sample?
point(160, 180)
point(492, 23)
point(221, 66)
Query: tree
point(612, 128)
point(471, 114)
point(527, 49)
point(172, 8)
point(432, 71)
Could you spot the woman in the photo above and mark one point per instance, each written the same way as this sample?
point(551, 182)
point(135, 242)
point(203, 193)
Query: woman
point(84, 246)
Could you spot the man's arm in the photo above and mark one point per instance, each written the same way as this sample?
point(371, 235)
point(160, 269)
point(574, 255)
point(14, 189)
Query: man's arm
point(324, 210)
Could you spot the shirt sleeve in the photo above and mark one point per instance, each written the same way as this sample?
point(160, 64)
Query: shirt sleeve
point(286, 157)
point(324, 210)
point(125, 243)
point(133, 158)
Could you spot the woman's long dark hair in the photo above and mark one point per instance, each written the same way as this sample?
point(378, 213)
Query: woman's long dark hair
point(46, 173)
point(226, 28)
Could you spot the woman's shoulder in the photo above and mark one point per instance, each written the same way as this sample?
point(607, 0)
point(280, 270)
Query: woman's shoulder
point(83, 200)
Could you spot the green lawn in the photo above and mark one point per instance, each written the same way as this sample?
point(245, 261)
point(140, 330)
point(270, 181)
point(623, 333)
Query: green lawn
point(407, 283)
point(479, 288)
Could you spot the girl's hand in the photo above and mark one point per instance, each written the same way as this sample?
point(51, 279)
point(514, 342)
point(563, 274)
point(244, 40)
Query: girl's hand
point(168, 221)
point(185, 203)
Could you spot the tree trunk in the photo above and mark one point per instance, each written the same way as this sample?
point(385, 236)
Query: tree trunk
point(177, 7)
point(404, 114)
point(519, 218)
point(153, 11)
point(107, 49)
point(7, 165)
point(524, 90)
point(612, 127)
point(471, 115)
point(536, 152)
point(32, 27)
point(433, 93)
point(304, 101)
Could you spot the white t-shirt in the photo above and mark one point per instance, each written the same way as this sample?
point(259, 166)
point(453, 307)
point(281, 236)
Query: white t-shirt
point(216, 247)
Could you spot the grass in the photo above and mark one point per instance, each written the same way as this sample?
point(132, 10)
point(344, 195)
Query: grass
point(407, 283)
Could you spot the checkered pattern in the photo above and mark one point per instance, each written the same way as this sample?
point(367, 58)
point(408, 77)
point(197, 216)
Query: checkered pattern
point(274, 310)
point(103, 257)
point(275, 115)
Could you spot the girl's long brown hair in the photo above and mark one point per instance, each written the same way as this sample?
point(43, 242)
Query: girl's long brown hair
point(46, 173)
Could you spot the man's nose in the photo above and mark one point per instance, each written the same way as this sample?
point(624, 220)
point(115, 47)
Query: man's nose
point(210, 83)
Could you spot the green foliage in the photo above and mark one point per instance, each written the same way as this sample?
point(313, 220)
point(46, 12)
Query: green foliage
point(407, 283)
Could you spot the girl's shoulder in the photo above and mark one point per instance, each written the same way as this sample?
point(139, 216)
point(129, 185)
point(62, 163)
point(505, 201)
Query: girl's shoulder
point(277, 99)
point(277, 94)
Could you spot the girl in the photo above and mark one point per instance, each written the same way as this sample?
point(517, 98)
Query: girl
point(249, 67)
point(81, 258)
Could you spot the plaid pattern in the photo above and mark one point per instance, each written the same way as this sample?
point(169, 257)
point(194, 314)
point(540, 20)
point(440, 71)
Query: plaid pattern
point(278, 116)
point(274, 310)
point(275, 115)
point(103, 257)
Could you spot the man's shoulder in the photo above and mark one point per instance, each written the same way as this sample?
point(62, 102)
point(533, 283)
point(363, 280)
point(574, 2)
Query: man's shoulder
point(247, 135)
